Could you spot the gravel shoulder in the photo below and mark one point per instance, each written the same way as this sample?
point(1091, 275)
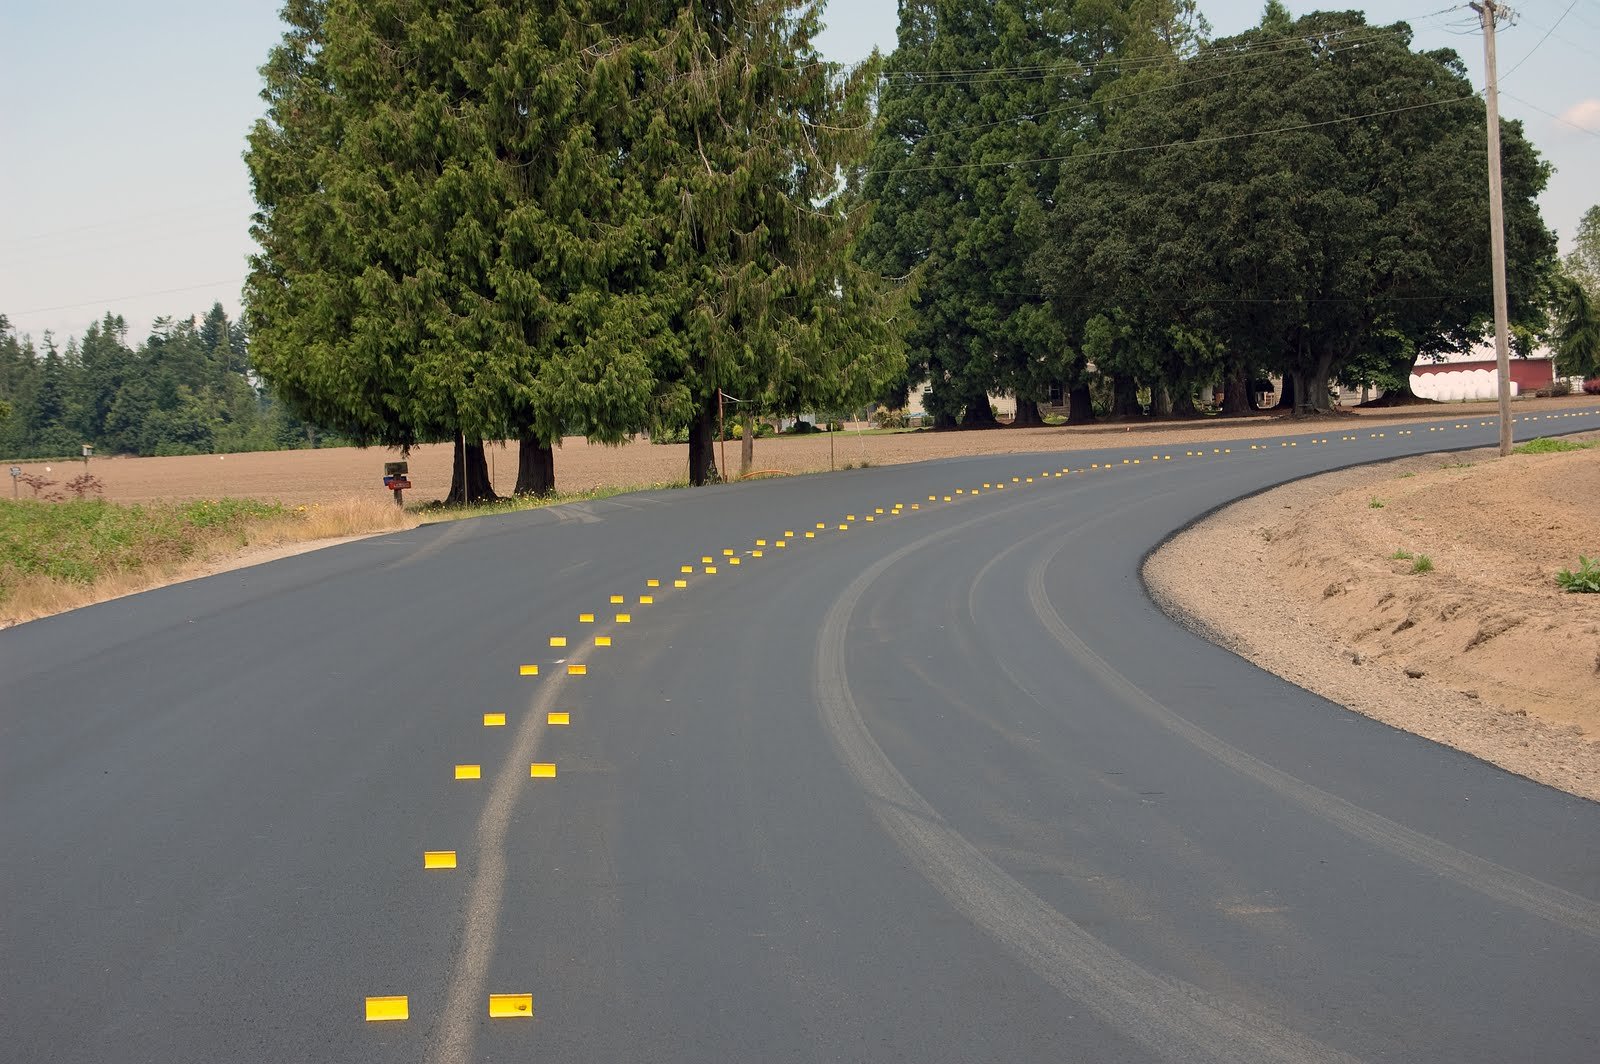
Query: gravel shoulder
point(1484, 653)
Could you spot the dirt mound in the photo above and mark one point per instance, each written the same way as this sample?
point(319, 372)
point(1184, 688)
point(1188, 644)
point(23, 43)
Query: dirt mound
point(1421, 593)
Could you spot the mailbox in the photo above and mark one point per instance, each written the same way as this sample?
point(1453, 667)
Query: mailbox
point(395, 479)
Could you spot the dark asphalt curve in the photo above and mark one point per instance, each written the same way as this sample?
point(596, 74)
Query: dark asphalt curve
point(939, 786)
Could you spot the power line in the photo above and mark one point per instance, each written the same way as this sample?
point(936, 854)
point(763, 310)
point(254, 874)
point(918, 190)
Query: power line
point(1551, 114)
point(1536, 47)
point(124, 299)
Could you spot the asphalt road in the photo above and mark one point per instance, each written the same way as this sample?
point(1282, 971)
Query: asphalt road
point(942, 786)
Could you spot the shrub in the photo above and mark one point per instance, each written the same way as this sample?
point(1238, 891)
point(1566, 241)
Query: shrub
point(885, 418)
point(1545, 445)
point(1585, 581)
point(1423, 564)
point(1401, 556)
point(801, 428)
point(1592, 387)
point(1375, 503)
point(85, 485)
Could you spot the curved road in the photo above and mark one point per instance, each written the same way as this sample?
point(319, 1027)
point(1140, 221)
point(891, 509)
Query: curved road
point(940, 786)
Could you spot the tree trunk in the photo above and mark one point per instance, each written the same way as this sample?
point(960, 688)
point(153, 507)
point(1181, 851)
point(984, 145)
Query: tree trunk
point(702, 445)
point(1183, 402)
point(1236, 394)
point(1316, 386)
point(478, 488)
point(1080, 408)
point(1286, 394)
point(1125, 398)
point(943, 421)
point(1160, 401)
point(1028, 416)
point(536, 466)
point(978, 413)
point(747, 444)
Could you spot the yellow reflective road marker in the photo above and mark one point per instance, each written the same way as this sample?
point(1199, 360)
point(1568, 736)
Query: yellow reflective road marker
point(542, 770)
point(1227, 450)
point(916, 506)
point(585, 618)
point(788, 534)
point(947, 498)
point(469, 772)
point(680, 583)
point(685, 568)
point(758, 554)
point(706, 559)
point(577, 670)
point(1166, 458)
point(844, 528)
point(397, 1007)
point(647, 600)
point(727, 552)
point(849, 517)
point(652, 583)
point(781, 544)
point(824, 524)
point(556, 718)
point(558, 640)
point(763, 543)
point(710, 570)
point(879, 510)
point(1030, 480)
point(624, 618)
point(439, 859)
point(617, 600)
point(494, 720)
point(733, 561)
point(1014, 480)
point(811, 535)
point(528, 670)
point(1136, 461)
point(510, 1006)
point(869, 518)
point(602, 640)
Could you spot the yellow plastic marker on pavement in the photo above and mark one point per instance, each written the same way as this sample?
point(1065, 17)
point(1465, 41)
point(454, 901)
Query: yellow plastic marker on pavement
point(555, 718)
point(680, 583)
point(624, 618)
point(710, 570)
point(685, 568)
point(528, 670)
point(585, 618)
point(933, 498)
point(849, 517)
point(558, 640)
point(869, 518)
point(727, 552)
point(916, 506)
point(947, 498)
point(510, 1006)
point(733, 561)
point(397, 1007)
point(1014, 480)
point(811, 535)
point(439, 859)
point(822, 524)
point(542, 770)
point(788, 534)
point(879, 510)
point(494, 720)
point(577, 670)
point(758, 554)
point(781, 544)
point(652, 583)
point(647, 600)
point(763, 543)
point(602, 640)
point(844, 528)
point(469, 772)
point(617, 600)
point(706, 559)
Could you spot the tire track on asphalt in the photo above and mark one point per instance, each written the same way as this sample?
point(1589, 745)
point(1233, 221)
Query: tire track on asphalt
point(1168, 1016)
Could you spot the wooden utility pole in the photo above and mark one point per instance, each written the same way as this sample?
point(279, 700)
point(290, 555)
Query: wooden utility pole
point(1488, 11)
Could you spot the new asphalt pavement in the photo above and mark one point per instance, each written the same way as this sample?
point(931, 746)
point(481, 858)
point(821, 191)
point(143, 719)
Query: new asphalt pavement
point(937, 782)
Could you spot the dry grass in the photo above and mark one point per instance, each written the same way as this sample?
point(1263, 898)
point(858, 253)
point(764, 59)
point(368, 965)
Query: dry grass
point(123, 550)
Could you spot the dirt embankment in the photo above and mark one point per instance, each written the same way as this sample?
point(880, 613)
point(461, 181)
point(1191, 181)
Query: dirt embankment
point(1324, 582)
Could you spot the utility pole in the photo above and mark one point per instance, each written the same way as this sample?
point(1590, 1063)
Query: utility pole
point(1488, 11)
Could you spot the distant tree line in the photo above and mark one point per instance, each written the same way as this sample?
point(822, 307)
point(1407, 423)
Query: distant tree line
point(186, 389)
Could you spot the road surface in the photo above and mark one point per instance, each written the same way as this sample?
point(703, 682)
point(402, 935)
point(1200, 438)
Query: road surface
point(941, 785)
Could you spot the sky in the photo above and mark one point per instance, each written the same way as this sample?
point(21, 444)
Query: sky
point(122, 127)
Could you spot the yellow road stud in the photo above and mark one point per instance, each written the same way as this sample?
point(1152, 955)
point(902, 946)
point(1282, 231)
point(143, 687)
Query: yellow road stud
point(558, 640)
point(916, 506)
point(1227, 450)
point(824, 524)
point(617, 600)
point(788, 534)
point(439, 859)
point(710, 570)
point(602, 640)
point(397, 1007)
point(869, 518)
point(680, 583)
point(577, 670)
point(652, 583)
point(811, 535)
point(1014, 480)
point(542, 770)
point(947, 498)
point(844, 528)
point(763, 543)
point(758, 554)
point(647, 600)
point(585, 618)
point(781, 544)
point(510, 1006)
point(494, 720)
point(849, 517)
point(733, 561)
point(1166, 458)
point(879, 510)
point(706, 559)
point(556, 718)
point(685, 568)
point(529, 670)
point(469, 772)
point(624, 618)
point(1136, 461)
point(727, 553)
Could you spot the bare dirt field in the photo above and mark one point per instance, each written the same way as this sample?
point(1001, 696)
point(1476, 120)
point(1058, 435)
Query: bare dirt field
point(338, 473)
point(1484, 652)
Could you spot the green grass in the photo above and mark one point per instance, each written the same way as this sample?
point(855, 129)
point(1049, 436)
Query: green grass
point(1585, 581)
point(79, 541)
point(1401, 556)
point(1422, 564)
point(435, 512)
point(1545, 445)
point(1375, 503)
